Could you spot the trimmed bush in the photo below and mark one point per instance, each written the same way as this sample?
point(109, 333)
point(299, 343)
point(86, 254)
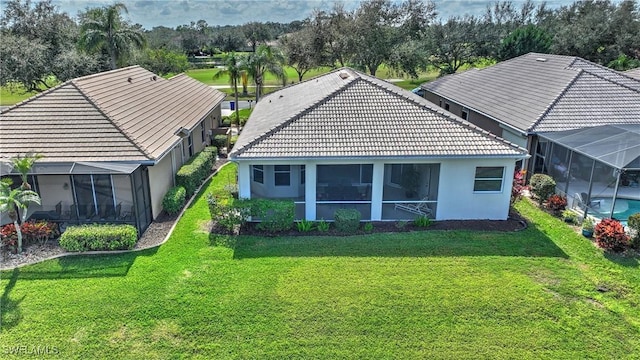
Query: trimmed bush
point(610, 235)
point(174, 200)
point(226, 211)
point(274, 215)
point(193, 172)
point(99, 237)
point(220, 141)
point(347, 220)
point(542, 186)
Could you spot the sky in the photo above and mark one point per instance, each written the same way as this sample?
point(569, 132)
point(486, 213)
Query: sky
point(171, 13)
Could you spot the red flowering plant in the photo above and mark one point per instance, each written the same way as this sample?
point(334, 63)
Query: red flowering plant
point(556, 203)
point(610, 235)
point(39, 231)
point(519, 180)
point(9, 238)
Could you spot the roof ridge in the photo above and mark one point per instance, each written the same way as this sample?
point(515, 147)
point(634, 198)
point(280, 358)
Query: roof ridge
point(108, 72)
point(36, 96)
point(610, 70)
point(104, 113)
point(296, 116)
point(309, 79)
point(556, 99)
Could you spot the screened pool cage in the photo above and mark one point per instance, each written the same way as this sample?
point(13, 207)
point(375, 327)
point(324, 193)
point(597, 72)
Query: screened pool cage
point(597, 169)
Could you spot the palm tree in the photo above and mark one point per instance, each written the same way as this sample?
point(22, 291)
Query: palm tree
point(14, 202)
point(103, 28)
point(265, 59)
point(23, 165)
point(233, 68)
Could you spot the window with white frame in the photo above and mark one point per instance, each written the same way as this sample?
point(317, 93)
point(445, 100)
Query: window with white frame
point(202, 131)
point(282, 175)
point(488, 179)
point(258, 174)
point(190, 144)
point(465, 113)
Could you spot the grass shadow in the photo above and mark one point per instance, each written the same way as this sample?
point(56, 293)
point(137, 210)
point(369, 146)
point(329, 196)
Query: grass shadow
point(625, 260)
point(528, 243)
point(84, 266)
point(10, 314)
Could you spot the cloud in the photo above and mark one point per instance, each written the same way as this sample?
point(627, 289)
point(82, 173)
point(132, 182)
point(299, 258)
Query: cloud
point(165, 11)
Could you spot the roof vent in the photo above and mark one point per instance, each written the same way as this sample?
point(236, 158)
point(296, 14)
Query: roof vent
point(154, 78)
point(541, 60)
point(130, 80)
point(344, 75)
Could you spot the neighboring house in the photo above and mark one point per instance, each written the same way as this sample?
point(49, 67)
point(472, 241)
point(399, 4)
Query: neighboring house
point(634, 73)
point(348, 140)
point(540, 102)
point(112, 142)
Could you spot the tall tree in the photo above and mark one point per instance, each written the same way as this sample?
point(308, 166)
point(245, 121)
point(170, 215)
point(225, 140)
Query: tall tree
point(256, 33)
point(264, 59)
point(524, 40)
point(104, 29)
point(300, 52)
point(374, 34)
point(453, 43)
point(37, 46)
point(233, 67)
point(340, 34)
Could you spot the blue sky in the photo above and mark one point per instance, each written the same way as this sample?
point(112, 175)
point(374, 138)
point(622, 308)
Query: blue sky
point(172, 13)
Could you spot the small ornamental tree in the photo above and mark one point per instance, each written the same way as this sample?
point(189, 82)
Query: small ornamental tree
point(610, 235)
point(519, 178)
point(556, 203)
point(542, 186)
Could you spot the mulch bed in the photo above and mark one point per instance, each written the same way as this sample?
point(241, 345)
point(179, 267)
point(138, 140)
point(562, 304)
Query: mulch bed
point(514, 223)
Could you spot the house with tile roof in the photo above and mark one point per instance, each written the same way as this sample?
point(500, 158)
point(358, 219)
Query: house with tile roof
point(634, 73)
point(112, 142)
point(349, 140)
point(542, 102)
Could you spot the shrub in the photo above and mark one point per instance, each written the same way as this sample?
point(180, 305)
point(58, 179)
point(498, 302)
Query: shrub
point(368, 227)
point(610, 235)
point(347, 220)
point(192, 173)
point(402, 224)
point(305, 225)
point(232, 142)
point(220, 141)
point(519, 178)
point(226, 211)
point(542, 186)
point(274, 215)
point(323, 225)
point(32, 232)
point(634, 224)
point(9, 237)
point(556, 203)
point(570, 216)
point(99, 237)
point(422, 221)
point(174, 200)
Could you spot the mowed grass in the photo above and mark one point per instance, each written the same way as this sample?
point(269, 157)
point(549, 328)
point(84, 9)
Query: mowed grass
point(434, 294)
point(9, 96)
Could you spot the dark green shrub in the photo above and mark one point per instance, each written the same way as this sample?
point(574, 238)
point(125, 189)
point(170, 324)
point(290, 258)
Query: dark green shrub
point(99, 237)
point(227, 212)
point(422, 221)
point(634, 224)
point(367, 227)
point(542, 186)
point(323, 225)
point(274, 215)
point(193, 172)
point(232, 142)
point(347, 220)
point(174, 200)
point(305, 225)
point(220, 141)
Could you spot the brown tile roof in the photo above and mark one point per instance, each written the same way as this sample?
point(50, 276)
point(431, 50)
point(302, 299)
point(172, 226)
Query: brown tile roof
point(359, 116)
point(543, 92)
point(128, 114)
point(634, 73)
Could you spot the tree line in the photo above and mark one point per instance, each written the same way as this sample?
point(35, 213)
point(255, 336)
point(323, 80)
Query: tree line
point(39, 43)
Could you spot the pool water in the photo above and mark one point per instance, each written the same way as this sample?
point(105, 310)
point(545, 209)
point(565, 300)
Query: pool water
point(633, 208)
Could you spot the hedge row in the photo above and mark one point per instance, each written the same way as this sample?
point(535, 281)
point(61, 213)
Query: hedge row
point(99, 237)
point(174, 200)
point(192, 173)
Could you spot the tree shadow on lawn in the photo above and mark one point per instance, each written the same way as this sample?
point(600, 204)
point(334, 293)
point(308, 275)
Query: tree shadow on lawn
point(528, 243)
point(10, 314)
point(627, 259)
point(82, 266)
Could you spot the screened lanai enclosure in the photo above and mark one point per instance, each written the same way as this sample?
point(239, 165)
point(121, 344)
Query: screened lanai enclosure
point(598, 169)
point(78, 193)
point(394, 191)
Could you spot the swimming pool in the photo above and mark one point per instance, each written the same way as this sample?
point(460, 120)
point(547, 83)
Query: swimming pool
point(631, 207)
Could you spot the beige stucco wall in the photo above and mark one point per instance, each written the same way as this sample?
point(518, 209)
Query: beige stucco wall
point(52, 190)
point(160, 180)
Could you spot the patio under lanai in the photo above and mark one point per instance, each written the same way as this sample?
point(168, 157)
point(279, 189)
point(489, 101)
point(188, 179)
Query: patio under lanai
point(597, 168)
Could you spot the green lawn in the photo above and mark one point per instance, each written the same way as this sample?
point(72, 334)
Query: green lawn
point(436, 294)
point(11, 97)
